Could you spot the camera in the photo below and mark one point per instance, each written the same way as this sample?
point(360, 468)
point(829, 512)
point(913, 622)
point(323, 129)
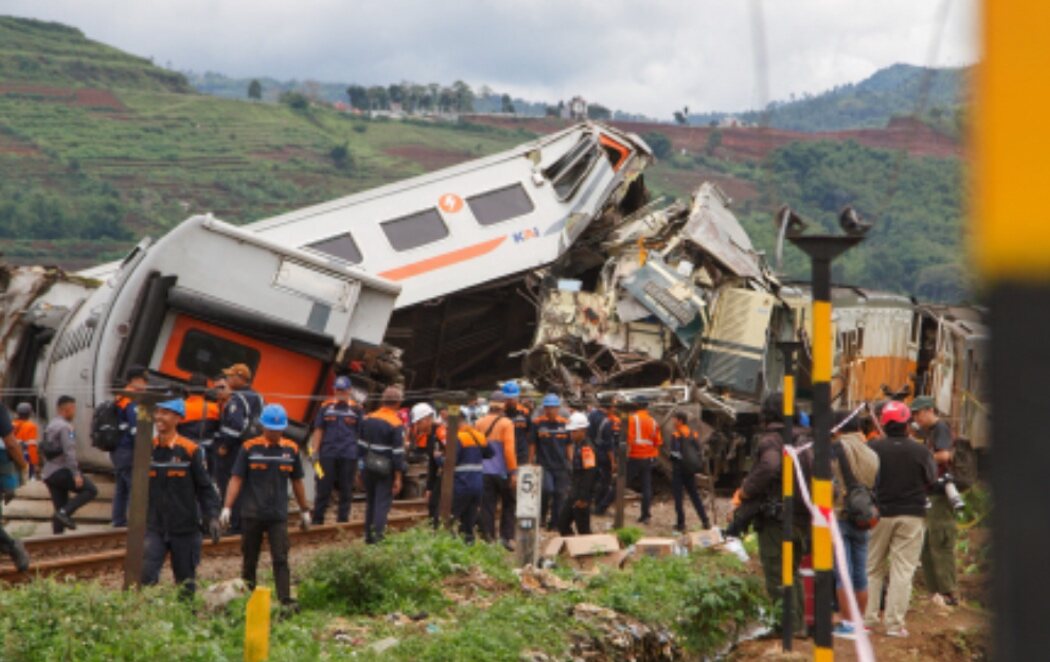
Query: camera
point(947, 483)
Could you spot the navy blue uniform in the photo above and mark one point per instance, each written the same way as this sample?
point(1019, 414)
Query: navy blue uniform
point(181, 496)
point(683, 481)
point(382, 433)
point(552, 442)
point(236, 423)
point(265, 470)
point(468, 483)
point(122, 457)
point(340, 424)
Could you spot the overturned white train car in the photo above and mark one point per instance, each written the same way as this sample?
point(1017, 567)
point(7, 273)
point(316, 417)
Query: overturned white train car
point(204, 296)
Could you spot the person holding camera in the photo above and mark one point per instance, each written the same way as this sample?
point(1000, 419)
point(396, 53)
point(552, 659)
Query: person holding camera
point(938, 549)
point(759, 500)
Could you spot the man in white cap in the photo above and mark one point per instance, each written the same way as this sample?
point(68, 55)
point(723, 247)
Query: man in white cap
point(577, 507)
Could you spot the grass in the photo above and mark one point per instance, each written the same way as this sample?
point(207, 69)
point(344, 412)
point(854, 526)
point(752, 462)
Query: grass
point(702, 598)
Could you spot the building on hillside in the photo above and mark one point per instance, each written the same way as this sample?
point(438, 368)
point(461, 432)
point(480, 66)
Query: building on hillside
point(576, 109)
point(732, 122)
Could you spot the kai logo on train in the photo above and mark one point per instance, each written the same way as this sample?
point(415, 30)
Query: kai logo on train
point(450, 203)
point(525, 235)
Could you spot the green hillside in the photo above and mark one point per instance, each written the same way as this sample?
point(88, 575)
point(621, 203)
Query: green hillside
point(99, 148)
point(894, 91)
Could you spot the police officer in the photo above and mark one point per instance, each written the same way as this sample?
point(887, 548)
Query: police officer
point(468, 483)
point(520, 415)
point(381, 461)
point(333, 443)
point(643, 447)
point(262, 471)
point(123, 455)
point(577, 507)
point(181, 496)
point(550, 446)
point(238, 422)
point(683, 479)
point(201, 422)
point(938, 549)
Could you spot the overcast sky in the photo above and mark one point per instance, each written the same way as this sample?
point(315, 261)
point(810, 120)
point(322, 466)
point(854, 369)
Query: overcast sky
point(649, 56)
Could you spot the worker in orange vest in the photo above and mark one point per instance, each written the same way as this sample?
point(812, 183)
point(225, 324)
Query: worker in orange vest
point(201, 422)
point(643, 447)
point(26, 434)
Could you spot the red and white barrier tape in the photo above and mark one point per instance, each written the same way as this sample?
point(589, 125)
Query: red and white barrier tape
point(865, 653)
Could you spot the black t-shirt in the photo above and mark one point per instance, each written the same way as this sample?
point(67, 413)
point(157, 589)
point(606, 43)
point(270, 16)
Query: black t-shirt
point(265, 469)
point(906, 469)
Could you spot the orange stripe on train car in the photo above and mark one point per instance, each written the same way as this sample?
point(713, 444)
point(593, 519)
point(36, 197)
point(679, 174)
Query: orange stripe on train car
point(443, 260)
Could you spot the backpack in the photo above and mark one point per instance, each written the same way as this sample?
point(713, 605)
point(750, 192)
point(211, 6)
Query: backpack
point(255, 427)
point(691, 456)
point(860, 508)
point(107, 427)
point(51, 446)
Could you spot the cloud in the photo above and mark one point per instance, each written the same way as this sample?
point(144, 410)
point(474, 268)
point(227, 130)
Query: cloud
point(649, 57)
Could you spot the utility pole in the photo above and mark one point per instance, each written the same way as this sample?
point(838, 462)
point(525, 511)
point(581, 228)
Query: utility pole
point(621, 473)
point(139, 502)
point(822, 249)
point(787, 624)
point(448, 470)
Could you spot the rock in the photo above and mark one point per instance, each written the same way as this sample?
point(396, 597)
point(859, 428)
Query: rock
point(533, 580)
point(383, 645)
point(217, 596)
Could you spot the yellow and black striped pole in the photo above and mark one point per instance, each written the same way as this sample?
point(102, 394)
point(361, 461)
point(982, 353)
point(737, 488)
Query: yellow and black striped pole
point(1010, 241)
point(822, 249)
point(787, 623)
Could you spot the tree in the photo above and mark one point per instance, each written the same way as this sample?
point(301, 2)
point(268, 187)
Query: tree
point(659, 143)
point(295, 100)
point(396, 94)
point(596, 111)
point(506, 105)
point(714, 141)
point(377, 98)
point(358, 97)
point(682, 116)
point(464, 97)
point(255, 90)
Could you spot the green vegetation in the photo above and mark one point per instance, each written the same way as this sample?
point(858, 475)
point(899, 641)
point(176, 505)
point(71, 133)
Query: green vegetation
point(894, 91)
point(439, 598)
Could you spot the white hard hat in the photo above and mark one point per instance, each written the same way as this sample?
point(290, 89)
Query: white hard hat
point(577, 421)
point(421, 411)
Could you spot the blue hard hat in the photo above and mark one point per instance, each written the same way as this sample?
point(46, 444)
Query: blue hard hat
point(178, 406)
point(342, 384)
point(551, 400)
point(274, 417)
point(511, 389)
point(803, 419)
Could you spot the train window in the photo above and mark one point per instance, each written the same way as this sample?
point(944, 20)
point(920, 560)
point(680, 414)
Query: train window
point(500, 205)
point(568, 172)
point(209, 355)
point(343, 247)
point(415, 230)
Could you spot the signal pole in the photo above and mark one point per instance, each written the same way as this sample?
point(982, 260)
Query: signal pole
point(787, 624)
point(822, 249)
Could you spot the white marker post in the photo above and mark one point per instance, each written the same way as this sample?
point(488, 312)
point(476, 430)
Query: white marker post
point(530, 487)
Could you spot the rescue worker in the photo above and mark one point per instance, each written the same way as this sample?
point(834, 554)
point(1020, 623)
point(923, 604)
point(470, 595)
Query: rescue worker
point(261, 473)
point(12, 464)
point(201, 422)
point(577, 507)
point(238, 422)
point(26, 434)
point(333, 444)
point(181, 497)
point(430, 437)
point(605, 490)
point(520, 415)
point(123, 455)
point(643, 447)
point(681, 478)
point(501, 471)
point(938, 548)
point(381, 462)
point(761, 494)
point(550, 446)
point(468, 483)
point(61, 472)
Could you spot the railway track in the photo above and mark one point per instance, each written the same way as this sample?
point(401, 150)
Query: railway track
point(86, 554)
